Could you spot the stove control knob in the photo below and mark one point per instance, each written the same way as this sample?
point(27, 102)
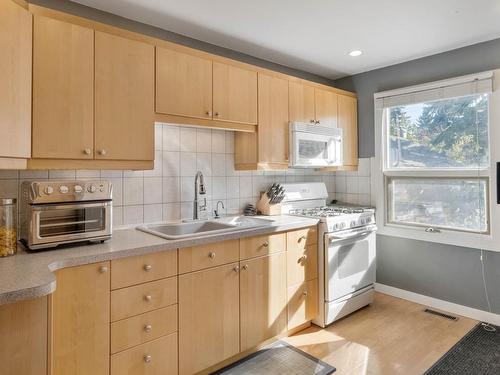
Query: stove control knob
point(78, 189)
point(342, 225)
point(91, 189)
point(353, 223)
point(48, 190)
point(368, 220)
point(63, 189)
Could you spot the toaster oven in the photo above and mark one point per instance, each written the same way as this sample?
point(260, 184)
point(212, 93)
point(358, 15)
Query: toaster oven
point(54, 213)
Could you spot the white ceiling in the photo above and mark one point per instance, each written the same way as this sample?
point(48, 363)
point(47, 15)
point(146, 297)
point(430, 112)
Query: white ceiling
point(317, 35)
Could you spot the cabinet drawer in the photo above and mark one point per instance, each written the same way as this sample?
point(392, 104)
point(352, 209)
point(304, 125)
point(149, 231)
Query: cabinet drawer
point(302, 303)
point(139, 299)
point(262, 245)
point(140, 269)
point(205, 256)
point(158, 357)
point(302, 264)
point(300, 239)
point(143, 328)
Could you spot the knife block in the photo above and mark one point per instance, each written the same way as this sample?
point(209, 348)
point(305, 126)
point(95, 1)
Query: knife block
point(266, 208)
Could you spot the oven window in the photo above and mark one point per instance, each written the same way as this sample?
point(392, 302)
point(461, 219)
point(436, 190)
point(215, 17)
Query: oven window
point(72, 221)
point(353, 258)
point(313, 149)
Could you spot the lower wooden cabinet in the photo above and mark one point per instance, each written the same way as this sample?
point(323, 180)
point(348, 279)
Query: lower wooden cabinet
point(263, 299)
point(302, 303)
point(79, 321)
point(209, 317)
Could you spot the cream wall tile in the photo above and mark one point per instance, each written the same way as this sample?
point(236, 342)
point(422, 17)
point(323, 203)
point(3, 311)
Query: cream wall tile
point(171, 189)
point(233, 187)
point(62, 175)
point(133, 191)
point(188, 139)
point(133, 173)
point(158, 163)
point(153, 213)
point(186, 210)
point(204, 163)
point(117, 216)
point(171, 163)
point(158, 136)
point(9, 174)
point(111, 173)
point(188, 163)
point(219, 187)
point(171, 138)
point(133, 214)
point(187, 189)
point(203, 140)
point(153, 190)
point(218, 165)
point(171, 211)
point(218, 141)
point(117, 184)
point(229, 142)
point(34, 175)
point(9, 188)
point(88, 174)
point(246, 190)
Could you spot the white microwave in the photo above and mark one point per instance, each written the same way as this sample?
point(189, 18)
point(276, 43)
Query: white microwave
point(315, 146)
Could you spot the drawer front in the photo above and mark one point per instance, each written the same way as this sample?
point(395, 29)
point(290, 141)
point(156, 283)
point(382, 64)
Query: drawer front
point(262, 245)
point(158, 357)
point(302, 264)
point(142, 298)
point(300, 239)
point(205, 256)
point(143, 328)
point(302, 303)
point(144, 268)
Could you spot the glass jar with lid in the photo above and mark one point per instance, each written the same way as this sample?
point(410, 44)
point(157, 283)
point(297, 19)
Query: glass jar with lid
point(8, 224)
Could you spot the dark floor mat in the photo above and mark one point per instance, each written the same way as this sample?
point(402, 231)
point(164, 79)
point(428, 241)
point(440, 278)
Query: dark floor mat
point(478, 352)
point(278, 359)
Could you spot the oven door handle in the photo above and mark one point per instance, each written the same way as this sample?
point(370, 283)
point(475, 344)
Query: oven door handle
point(346, 235)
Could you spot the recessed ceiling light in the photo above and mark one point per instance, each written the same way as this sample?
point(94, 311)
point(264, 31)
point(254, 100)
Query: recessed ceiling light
point(355, 53)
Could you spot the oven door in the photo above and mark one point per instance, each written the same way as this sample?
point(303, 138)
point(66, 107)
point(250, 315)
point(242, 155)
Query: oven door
point(350, 263)
point(68, 222)
point(315, 150)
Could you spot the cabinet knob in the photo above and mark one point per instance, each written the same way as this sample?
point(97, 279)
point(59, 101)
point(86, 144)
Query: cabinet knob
point(303, 258)
point(211, 255)
point(303, 238)
point(103, 269)
point(147, 358)
point(102, 152)
point(236, 269)
point(265, 244)
point(147, 267)
point(318, 122)
point(245, 267)
point(208, 113)
point(148, 298)
point(148, 328)
point(87, 151)
point(304, 293)
point(216, 113)
point(312, 122)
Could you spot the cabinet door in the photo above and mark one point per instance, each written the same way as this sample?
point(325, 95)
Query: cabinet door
point(235, 94)
point(326, 107)
point(302, 303)
point(80, 321)
point(124, 98)
point(263, 299)
point(183, 84)
point(273, 119)
point(348, 122)
point(301, 102)
point(209, 314)
point(15, 81)
point(63, 90)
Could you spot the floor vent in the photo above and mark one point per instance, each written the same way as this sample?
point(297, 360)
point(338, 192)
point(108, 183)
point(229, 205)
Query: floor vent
point(442, 315)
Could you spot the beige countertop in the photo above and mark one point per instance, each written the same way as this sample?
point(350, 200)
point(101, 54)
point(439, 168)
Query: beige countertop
point(31, 274)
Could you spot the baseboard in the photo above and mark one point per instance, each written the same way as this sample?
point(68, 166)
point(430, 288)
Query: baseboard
point(439, 304)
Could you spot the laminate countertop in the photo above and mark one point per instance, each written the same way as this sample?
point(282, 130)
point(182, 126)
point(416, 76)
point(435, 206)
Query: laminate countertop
point(29, 274)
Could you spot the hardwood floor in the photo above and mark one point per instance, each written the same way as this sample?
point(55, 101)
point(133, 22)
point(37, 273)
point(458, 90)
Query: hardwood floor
point(391, 336)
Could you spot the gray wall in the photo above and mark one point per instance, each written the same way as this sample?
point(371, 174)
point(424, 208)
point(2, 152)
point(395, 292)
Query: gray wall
point(446, 272)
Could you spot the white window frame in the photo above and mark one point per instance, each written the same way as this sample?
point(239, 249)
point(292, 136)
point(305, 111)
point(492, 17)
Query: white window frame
point(489, 241)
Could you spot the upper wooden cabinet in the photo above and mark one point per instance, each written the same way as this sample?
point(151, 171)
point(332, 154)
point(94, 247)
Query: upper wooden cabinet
point(235, 94)
point(15, 84)
point(124, 98)
point(325, 107)
point(348, 122)
point(63, 90)
point(301, 102)
point(183, 84)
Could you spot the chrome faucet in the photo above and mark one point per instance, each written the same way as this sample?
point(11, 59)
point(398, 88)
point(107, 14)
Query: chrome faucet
point(199, 189)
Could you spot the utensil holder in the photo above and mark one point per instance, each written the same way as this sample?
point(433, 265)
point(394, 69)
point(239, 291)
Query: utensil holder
point(267, 208)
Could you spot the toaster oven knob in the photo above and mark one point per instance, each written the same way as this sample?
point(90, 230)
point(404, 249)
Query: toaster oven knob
point(48, 190)
point(78, 189)
point(63, 189)
point(92, 189)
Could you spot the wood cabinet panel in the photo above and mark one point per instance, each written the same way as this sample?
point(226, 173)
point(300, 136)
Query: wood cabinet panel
point(302, 264)
point(301, 102)
point(15, 80)
point(63, 90)
point(136, 270)
point(124, 98)
point(262, 245)
point(183, 84)
point(141, 298)
point(263, 299)
point(302, 303)
point(158, 357)
point(211, 255)
point(234, 94)
point(348, 122)
point(209, 317)
point(142, 328)
point(23, 337)
point(80, 320)
point(326, 103)
point(302, 238)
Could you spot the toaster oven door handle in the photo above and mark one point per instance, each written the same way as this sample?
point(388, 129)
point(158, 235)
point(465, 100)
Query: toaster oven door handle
point(47, 207)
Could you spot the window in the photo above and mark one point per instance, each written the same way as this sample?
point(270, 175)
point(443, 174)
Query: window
point(433, 148)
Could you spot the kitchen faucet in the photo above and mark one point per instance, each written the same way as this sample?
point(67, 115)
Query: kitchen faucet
point(199, 188)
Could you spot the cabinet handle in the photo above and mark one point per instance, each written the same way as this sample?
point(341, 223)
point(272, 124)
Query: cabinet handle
point(148, 328)
point(303, 238)
point(211, 255)
point(147, 267)
point(317, 122)
point(208, 113)
point(103, 269)
point(265, 244)
point(236, 269)
point(102, 152)
point(303, 258)
point(304, 293)
point(312, 122)
point(87, 151)
point(245, 267)
point(148, 298)
point(147, 358)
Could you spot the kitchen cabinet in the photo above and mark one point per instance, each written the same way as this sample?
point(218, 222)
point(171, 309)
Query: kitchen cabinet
point(183, 84)
point(63, 90)
point(302, 304)
point(15, 84)
point(348, 122)
point(23, 337)
point(79, 321)
point(234, 94)
point(325, 107)
point(263, 299)
point(209, 323)
point(124, 98)
point(268, 148)
point(301, 98)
